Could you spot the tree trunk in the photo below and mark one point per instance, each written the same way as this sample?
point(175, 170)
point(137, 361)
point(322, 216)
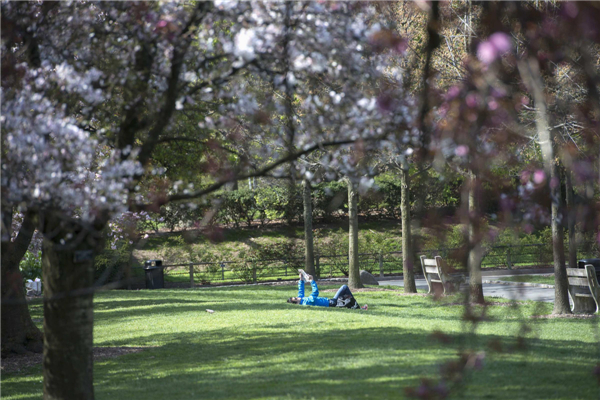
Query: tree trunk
point(561, 297)
point(353, 268)
point(68, 310)
point(309, 254)
point(19, 333)
point(530, 72)
point(407, 254)
point(571, 220)
point(475, 248)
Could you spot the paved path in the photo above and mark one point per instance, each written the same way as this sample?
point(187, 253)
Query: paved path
point(508, 291)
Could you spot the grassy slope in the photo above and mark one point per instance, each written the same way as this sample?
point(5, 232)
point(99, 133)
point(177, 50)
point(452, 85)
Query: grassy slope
point(256, 346)
point(230, 242)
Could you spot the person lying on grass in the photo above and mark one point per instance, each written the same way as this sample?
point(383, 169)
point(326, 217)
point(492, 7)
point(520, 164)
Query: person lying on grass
point(343, 297)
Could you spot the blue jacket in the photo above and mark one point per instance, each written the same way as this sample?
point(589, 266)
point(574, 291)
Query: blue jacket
point(313, 299)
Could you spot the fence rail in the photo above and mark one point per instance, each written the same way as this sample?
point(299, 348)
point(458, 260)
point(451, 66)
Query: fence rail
point(336, 265)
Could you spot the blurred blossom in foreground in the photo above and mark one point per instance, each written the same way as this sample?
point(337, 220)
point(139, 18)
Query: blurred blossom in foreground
point(496, 46)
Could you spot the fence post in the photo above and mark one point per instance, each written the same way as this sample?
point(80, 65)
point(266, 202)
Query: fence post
point(508, 261)
point(191, 275)
point(222, 271)
point(254, 272)
point(317, 267)
point(285, 265)
point(381, 264)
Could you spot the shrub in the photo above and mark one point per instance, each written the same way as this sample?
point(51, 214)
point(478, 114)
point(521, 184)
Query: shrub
point(31, 266)
point(390, 194)
point(148, 222)
point(335, 246)
point(238, 206)
point(328, 198)
point(185, 214)
point(370, 203)
point(279, 202)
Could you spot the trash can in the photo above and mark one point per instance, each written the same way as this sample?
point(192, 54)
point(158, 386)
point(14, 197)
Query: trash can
point(155, 278)
point(594, 261)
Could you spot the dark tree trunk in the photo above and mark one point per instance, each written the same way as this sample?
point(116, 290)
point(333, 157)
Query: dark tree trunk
point(19, 333)
point(571, 220)
point(407, 254)
point(68, 310)
point(561, 296)
point(475, 248)
point(353, 267)
point(309, 253)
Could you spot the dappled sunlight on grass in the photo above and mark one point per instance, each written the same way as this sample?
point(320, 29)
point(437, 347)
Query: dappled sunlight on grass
point(255, 345)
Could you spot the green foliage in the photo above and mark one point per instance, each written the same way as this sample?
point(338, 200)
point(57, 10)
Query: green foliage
point(152, 223)
point(391, 194)
point(238, 206)
point(329, 198)
point(110, 264)
point(333, 246)
point(184, 214)
point(284, 202)
point(31, 266)
point(278, 202)
point(245, 271)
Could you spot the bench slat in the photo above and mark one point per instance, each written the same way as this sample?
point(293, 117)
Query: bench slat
point(578, 281)
point(431, 270)
point(576, 272)
point(436, 280)
point(584, 295)
point(429, 261)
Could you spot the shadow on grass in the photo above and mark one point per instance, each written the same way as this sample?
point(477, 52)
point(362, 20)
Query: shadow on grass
point(318, 352)
point(283, 362)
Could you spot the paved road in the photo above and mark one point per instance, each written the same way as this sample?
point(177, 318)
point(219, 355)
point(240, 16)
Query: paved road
point(513, 291)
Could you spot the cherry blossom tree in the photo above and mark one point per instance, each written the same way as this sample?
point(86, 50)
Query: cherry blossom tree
point(92, 90)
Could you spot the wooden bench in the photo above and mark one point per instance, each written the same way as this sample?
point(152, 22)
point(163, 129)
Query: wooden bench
point(583, 289)
point(435, 270)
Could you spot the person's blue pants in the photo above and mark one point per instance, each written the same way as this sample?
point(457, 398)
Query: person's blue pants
point(342, 291)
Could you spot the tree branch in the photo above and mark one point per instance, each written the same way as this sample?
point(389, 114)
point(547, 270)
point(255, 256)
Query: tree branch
point(290, 157)
point(164, 116)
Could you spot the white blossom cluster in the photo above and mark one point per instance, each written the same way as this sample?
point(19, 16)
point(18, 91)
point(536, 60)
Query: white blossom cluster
point(50, 160)
point(244, 65)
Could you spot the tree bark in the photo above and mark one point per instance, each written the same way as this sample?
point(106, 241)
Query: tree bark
point(475, 248)
point(19, 333)
point(309, 253)
point(68, 310)
point(531, 74)
point(407, 254)
point(571, 219)
point(353, 267)
point(561, 297)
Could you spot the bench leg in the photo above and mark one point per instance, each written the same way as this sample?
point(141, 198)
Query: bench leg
point(582, 305)
point(593, 285)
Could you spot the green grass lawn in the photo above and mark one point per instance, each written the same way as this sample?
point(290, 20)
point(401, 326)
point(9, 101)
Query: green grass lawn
point(256, 346)
point(548, 280)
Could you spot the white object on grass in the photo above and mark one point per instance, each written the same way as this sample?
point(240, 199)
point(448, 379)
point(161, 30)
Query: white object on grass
point(210, 311)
